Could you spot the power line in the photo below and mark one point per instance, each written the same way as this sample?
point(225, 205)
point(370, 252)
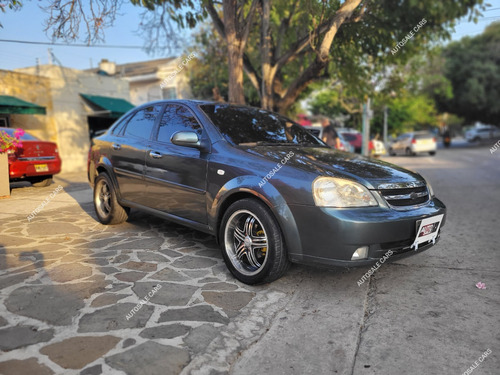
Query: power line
point(69, 45)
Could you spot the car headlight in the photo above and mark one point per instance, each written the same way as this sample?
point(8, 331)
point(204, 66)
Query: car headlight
point(431, 190)
point(337, 192)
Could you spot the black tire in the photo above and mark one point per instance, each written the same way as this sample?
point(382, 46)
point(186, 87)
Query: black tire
point(256, 263)
point(106, 206)
point(391, 152)
point(41, 181)
point(432, 153)
point(409, 152)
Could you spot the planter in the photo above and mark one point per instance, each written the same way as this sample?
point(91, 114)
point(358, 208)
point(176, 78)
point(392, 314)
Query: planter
point(4, 175)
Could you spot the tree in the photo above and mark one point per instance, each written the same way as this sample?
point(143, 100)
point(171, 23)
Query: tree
point(472, 65)
point(285, 46)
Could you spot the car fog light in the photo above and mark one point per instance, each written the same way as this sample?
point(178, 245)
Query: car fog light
point(360, 253)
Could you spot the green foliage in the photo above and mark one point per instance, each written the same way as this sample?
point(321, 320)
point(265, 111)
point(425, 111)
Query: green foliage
point(406, 113)
point(210, 69)
point(473, 68)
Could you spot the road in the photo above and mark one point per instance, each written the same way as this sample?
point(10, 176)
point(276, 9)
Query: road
point(69, 286)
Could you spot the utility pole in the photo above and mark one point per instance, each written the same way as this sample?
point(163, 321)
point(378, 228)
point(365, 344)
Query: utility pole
point(49, 52)
point(385, 125)
point(366, 128)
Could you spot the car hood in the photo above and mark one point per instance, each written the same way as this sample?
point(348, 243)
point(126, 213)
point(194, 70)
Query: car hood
point(325, 161)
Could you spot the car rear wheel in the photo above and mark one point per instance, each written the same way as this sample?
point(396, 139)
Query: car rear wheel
point(432, 153)
point(391, 152)
point(41, 181)
point(252, 243)
point(107, 208)
point(409, 152)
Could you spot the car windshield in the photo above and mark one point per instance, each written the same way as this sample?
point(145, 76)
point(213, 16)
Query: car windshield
point(349, 136)
point(247, 126)
point(424, 136)
point(25, 137)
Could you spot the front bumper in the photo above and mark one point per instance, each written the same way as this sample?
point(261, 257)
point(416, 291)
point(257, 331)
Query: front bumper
point(330, 236)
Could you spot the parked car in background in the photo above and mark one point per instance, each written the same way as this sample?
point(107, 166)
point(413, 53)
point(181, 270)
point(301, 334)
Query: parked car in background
point(303, 120)
point(354, 137)
point(377, 148)
point(345, 145)
point(482, 133)
point(35, 161)
point(317, 131)
point(269, 191)
point(414, 143)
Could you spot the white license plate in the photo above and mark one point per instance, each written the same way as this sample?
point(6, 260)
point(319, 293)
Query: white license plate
point(41, 168)
point(427, 230)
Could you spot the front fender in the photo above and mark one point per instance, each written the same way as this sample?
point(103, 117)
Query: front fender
point(266, 193)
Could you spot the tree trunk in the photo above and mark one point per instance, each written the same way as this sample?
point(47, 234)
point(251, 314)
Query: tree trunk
point(235, 53)
point(266, 58)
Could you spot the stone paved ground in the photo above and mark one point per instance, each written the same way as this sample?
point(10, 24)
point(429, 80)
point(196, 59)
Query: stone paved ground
point(69, 286)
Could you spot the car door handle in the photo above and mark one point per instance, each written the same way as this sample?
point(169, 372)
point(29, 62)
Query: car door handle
point(116, 146)
point(155, 155)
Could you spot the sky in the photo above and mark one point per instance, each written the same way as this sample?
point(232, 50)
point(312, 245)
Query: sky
point(27, 25)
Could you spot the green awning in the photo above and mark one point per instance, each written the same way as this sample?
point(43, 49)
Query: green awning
point(14, 106)
point(113, 107)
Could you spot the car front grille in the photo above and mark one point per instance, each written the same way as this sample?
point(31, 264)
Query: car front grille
point(400, 197)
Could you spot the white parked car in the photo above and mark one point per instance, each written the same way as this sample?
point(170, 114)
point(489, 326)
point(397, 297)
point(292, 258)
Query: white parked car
point(414, 143)
point(378, 148)
point(482, 133)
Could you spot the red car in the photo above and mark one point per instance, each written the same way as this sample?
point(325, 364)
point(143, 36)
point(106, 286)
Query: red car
point(35, 160)
point(354, 138)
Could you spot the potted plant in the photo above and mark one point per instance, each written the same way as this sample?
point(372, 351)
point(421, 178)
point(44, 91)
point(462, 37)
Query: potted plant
point(8, 146)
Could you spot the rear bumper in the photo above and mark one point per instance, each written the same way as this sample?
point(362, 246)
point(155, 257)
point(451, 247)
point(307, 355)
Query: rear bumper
point(330, 236)
point(424, 148)
point(22, 169)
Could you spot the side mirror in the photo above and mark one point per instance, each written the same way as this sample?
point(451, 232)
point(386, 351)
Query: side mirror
point(187, 139)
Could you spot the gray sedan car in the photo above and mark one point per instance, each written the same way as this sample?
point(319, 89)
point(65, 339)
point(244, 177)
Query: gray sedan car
point(268, 190)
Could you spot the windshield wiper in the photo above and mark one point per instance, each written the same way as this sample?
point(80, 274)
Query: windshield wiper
point(262, 143)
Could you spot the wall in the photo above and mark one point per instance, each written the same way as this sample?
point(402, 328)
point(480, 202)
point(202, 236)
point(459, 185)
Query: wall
point(147, 88)
point(33, 89)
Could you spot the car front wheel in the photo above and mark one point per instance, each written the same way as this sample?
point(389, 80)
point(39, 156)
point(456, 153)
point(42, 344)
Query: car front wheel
point(252, 243)
point(107, 208)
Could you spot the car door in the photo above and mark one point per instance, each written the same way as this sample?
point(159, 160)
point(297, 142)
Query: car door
point(128, 153)
point(177, 175)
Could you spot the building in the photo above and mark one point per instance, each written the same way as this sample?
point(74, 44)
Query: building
point(152, 80)
point(68, 106)
point(76, 104)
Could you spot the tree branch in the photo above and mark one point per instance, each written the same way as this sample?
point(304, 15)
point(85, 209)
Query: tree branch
point(312, 71)
point(219, 25)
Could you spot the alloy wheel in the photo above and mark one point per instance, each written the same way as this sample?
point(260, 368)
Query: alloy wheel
point(103, 199)
point(246, 242)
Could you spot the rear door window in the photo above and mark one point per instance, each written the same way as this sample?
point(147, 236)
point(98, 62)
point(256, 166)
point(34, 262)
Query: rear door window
point(142, 122)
